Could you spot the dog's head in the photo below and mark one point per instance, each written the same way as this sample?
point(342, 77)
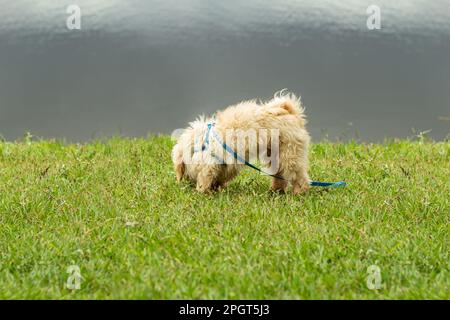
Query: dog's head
point(185, 153)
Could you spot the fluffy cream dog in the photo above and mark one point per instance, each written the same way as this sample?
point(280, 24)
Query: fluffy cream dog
point(201, 157)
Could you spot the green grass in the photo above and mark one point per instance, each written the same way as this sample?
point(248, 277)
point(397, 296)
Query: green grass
point(114, 209)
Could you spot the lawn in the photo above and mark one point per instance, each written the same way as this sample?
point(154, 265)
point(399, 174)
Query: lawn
point(113, 209)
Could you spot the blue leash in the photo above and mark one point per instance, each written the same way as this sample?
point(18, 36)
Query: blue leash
point(248, 164)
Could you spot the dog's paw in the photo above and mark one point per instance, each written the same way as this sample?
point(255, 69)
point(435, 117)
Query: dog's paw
point(300, 188)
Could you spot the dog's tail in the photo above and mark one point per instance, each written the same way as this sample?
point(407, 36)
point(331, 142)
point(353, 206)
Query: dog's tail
point(284, 103)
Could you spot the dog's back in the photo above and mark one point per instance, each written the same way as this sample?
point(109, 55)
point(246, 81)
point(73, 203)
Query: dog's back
point(283, 109)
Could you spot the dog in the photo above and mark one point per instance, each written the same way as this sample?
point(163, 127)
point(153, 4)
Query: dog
point(212, 151)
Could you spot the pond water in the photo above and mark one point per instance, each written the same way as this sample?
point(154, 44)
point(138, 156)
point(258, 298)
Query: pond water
point(140, 66)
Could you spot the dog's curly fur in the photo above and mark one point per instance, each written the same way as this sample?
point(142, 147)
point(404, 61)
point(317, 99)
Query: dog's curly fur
point(284, 112)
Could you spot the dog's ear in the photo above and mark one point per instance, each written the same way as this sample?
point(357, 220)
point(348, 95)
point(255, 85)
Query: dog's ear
point(177, 158)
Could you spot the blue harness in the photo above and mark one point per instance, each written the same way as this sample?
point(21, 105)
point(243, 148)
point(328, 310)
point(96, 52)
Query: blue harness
point(248, 164)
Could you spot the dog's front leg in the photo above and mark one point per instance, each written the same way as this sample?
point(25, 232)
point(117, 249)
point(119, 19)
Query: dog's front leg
point(205, 179)
point(301, 182)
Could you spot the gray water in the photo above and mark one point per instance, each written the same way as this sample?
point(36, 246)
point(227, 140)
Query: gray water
point(139, 66)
